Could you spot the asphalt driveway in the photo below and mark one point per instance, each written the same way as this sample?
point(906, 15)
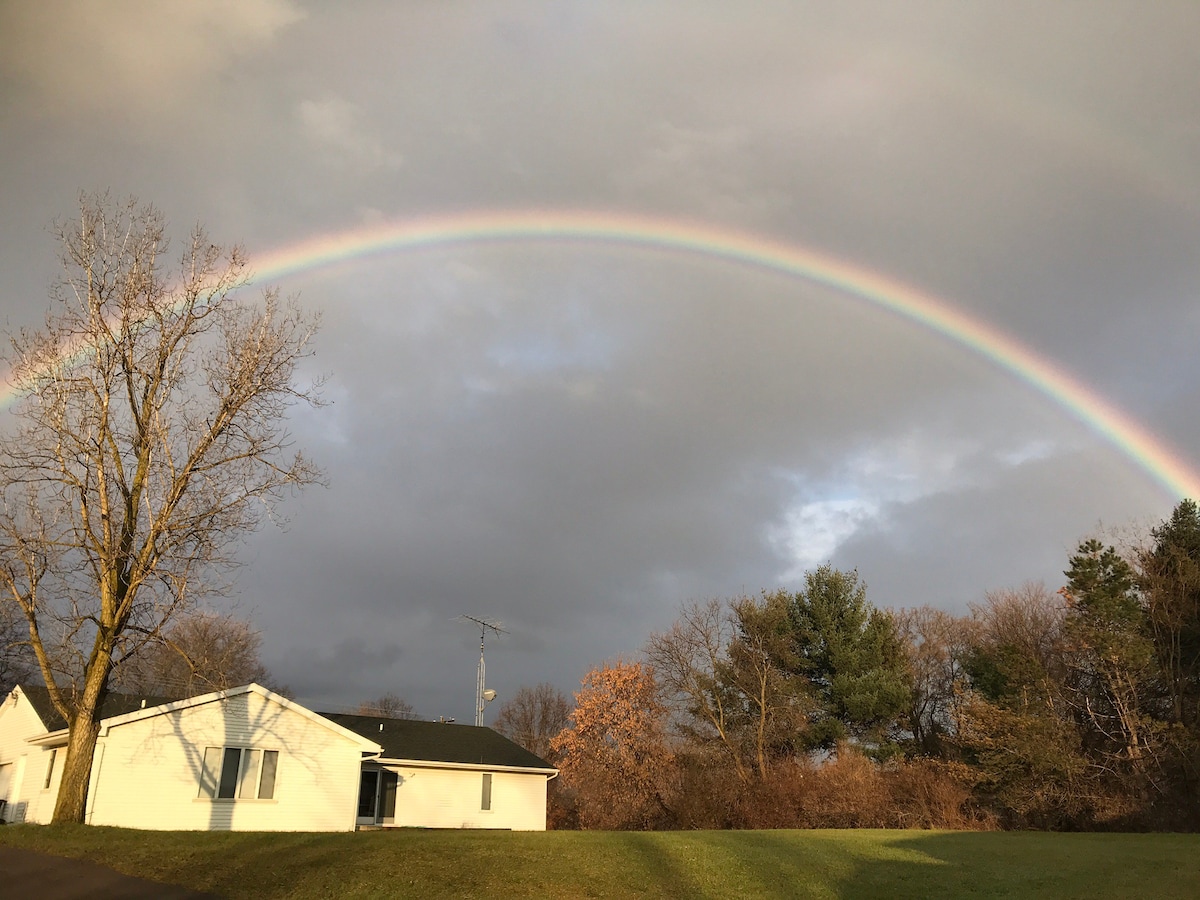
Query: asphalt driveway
point(26, 873)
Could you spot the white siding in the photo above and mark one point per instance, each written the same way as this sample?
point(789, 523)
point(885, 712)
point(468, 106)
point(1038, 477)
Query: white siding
point(150, 770)
point(41, 799)
point(451, 798)
point(27, 800)
point(146, 774)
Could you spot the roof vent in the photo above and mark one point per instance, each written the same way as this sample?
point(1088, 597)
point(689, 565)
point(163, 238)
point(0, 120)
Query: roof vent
point(143, 703)
point(381, 726)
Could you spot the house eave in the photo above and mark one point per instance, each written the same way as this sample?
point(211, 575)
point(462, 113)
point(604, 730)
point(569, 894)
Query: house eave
point(51, 739)
point(470, 767)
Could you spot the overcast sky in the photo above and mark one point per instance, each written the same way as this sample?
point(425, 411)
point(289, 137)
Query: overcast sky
point(574, 438)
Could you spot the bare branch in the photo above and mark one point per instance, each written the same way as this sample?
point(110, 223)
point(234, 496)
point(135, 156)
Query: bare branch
point(150, 438)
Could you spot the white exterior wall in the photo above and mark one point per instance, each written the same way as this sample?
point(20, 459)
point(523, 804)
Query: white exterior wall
point(27, 800)
point(41, 800)
point(451, 798)
point(148, 773)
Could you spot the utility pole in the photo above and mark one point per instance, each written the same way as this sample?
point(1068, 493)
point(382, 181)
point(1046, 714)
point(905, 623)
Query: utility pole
point(483, 696)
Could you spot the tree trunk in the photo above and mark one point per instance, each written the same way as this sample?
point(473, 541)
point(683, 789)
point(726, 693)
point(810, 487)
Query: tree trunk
point(71, 805)
point(76, 773)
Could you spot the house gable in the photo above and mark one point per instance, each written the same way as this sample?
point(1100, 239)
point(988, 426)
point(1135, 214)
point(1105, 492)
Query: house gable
point(19, 705)
point(365, 744)
point(170, 767)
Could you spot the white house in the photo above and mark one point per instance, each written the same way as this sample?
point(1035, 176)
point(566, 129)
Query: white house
point(248, 759)
point(441, 775)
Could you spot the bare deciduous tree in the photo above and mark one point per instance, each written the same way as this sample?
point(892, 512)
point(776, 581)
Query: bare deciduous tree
point(936, 644)
point(200, 651)
point(388, 706)
point(1019, 637)
point(719, 664)
point(689, 660)
point(16, 660)
point(533, 717)
point(149, 438)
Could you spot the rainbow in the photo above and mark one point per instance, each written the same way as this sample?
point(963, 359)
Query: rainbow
point(1160, 462)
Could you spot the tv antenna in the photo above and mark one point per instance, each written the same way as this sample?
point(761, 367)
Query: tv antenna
point(483, 695)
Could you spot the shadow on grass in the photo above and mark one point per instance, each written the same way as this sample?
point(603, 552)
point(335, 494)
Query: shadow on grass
point(817, 864)
point(1026, 864)
point(713, 864)
point(905, 864)
point(662, 874)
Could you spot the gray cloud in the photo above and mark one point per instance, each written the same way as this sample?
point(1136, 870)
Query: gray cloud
point(573, 438)
point(129, 59)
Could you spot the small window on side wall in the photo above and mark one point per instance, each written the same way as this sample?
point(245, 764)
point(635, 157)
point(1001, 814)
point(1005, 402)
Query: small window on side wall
point(486, 800)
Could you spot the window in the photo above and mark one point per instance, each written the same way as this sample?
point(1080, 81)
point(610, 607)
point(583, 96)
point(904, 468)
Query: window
point(50, 769)
point(486, 801)
point(239, 772)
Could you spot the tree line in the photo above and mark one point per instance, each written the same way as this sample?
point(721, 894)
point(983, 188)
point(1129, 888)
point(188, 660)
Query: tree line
point(1076, 708)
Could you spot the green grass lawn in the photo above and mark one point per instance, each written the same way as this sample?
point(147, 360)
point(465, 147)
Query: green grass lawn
point(429, 864)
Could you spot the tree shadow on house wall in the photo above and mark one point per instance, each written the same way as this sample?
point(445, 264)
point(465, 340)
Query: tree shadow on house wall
point(241, 715)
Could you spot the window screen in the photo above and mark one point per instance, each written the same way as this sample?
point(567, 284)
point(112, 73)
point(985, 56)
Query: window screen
point(246, 774)
point(211, 772)
point(266, 787)
point(248, 783)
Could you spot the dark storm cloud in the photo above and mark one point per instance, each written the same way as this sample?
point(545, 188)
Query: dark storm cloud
point(575, 439)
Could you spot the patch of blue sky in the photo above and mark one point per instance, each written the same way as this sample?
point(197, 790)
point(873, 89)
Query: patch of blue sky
point(824, 513)
point(863, 489)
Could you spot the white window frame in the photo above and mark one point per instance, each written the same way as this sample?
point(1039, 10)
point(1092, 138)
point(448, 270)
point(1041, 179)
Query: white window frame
point(50, 769)
point(485, 797)
point(246, 781)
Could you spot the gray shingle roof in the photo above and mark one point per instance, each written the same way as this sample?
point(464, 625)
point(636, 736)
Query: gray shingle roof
point(113, 705)
point(439, 741)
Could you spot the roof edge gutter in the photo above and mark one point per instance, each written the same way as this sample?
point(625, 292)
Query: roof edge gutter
point(477, 767)
point(52, 739)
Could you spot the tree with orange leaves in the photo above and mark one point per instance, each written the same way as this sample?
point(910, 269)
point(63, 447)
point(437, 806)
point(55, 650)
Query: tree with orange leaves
point(615, 754)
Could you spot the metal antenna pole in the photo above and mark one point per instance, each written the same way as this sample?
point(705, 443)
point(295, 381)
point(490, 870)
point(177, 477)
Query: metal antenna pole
point(481, 691)
point(480, 681)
